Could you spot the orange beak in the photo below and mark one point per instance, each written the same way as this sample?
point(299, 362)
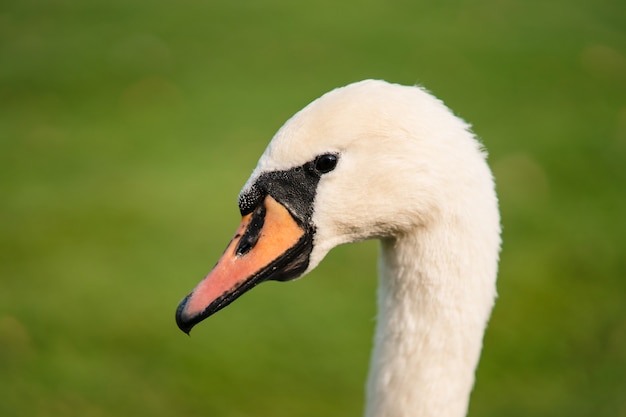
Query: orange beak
point(268, 245)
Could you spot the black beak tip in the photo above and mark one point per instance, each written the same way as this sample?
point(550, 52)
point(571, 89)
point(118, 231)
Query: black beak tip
point(184, 322)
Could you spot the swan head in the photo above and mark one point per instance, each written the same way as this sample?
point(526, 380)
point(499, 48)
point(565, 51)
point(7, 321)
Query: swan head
point(368, 160)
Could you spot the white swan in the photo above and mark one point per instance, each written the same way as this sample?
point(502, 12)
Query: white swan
point(378, 160)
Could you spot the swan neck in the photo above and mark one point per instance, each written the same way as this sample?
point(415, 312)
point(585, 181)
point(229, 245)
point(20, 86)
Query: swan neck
point(434, 300)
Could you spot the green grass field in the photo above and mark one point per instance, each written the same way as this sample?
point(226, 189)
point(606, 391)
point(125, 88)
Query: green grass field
point(127, 129)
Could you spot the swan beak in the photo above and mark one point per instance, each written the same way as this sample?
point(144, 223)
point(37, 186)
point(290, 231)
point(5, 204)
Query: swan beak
point(268, 245)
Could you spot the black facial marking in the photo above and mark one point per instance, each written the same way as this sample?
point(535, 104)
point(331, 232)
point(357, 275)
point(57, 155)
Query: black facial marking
point(250, 200)
point(294, 188)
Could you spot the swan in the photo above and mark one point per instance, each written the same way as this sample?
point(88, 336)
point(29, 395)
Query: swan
point(374, 160)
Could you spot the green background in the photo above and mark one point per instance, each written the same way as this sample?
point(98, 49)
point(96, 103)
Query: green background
point(128, 127)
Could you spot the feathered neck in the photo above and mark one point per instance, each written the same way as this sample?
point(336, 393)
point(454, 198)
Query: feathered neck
point(436, 291)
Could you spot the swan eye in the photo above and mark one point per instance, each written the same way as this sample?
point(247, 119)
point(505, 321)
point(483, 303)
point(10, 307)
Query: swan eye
point(325, 163)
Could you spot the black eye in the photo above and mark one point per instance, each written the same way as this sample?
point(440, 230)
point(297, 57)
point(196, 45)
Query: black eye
point(325, 163)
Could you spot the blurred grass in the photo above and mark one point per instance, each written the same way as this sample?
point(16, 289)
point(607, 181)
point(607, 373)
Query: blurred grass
point(127, 129)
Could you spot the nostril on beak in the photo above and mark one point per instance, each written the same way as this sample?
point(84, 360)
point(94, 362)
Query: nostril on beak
point(252, 233)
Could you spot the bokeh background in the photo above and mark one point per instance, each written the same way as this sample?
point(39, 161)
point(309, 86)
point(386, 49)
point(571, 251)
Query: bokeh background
point(128, 127)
